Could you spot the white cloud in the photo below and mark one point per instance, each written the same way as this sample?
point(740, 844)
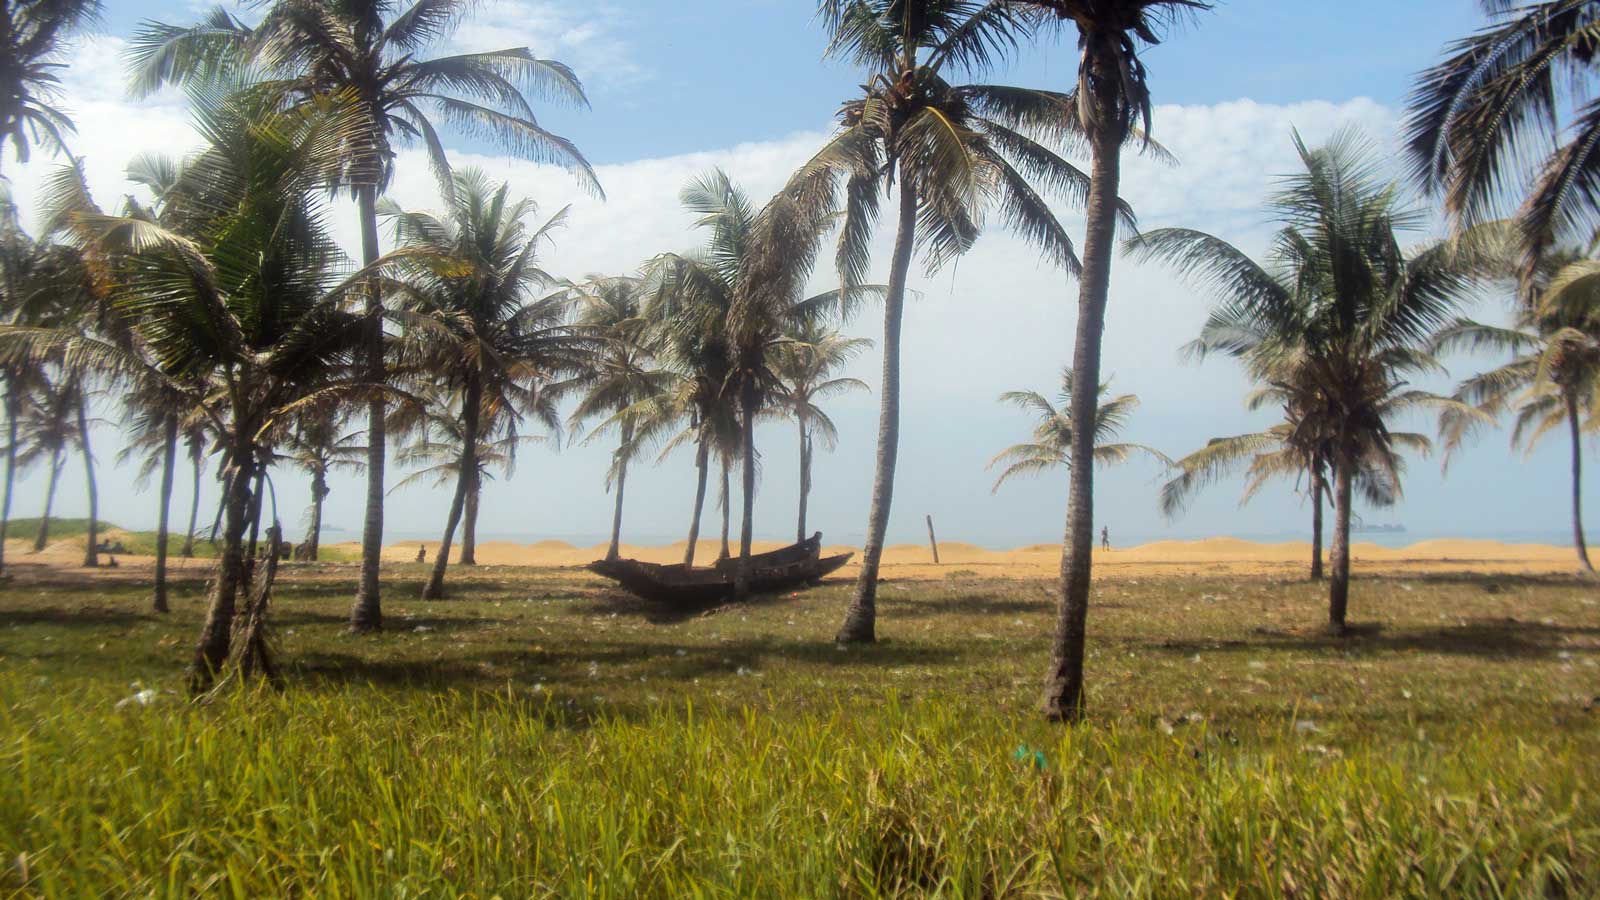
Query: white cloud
point(994, 321)
point(588, 37)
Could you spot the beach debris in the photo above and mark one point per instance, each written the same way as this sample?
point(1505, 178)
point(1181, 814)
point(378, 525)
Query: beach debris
point(143, 697)
point(1306, 726)
point(1033, 759)
point(421, 629)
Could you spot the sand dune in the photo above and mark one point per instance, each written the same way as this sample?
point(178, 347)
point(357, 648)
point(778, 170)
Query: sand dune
point(1209, 556)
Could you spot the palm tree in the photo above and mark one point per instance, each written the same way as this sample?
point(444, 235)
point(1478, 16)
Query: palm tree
point(31, 36)
point(1512, 107)
point(195, 445)
point(366, 51)
point(618, 374)
point(1051, 447)
point(155, 413)
point(246, 299)
point(1553, 376)
point(805, 367)
point(49, 432)
point(953, 149)
point(1339, 319)
point(319, 446)
point(1110, 106)
point(480, 330)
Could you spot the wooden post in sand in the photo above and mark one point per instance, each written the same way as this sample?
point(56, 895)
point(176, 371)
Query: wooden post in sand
point(933, 541)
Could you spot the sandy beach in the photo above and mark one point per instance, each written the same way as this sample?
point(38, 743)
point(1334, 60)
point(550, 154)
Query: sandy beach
point(1211, 556)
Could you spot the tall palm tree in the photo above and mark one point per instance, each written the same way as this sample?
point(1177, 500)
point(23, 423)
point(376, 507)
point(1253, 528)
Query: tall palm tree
point(1340, 318)
point(247, 299)
point(155, 415)
point(1051, 447)
point(195, 445)
point(618, 374)
point(367, 51)
point(32, 34)
point(1552, 378)
point(1111, 106)
point(1510, 109)
point(49, 431)
point(806, 365)
point(319, 446)
point(953, 150)
point(481, 330)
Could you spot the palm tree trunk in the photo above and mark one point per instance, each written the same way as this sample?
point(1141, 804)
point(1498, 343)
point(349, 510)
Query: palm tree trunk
point(13, 409)
point(1316, 526)
point(215, 637)
point(1063, 698)
point(194, 512)
point(614, 550)
point(726, 515)
point(169, 459)
point(1339, 558)
point(43, 537)
point(367, 612)
point(91, 553)
point(860, 621)
point(1576, 427)
point(255, 525)
point(702, 463)
point(470, 403)
point(469, 526)
point(319, 493)
point(748, 401)
point(805, 479)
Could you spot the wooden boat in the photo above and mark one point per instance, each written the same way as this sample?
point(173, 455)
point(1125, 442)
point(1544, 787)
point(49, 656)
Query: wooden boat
point(678, 585)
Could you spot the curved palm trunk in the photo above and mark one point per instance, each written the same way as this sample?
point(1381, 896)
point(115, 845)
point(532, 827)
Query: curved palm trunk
point(702, 463)
point(366, 614)
point(469, 527)
point(216, 636)
point(194, 512)
point(255, 526)
point(169, 460)
point(860, 621)
point(1316, 526)
point(748, 402)
point(805, 479)
point(1339, 558)
point(43, 537)
point(470, 403)
point(1576, 428)
point(1063, 697)
point(319, 493)
point(91, 553)
point(614, 550)
point(13, 408)
point(726, 502)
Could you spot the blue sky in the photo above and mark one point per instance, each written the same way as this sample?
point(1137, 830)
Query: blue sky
point(678, 87)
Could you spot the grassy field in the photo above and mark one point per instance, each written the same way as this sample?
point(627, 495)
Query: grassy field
point(539, 736)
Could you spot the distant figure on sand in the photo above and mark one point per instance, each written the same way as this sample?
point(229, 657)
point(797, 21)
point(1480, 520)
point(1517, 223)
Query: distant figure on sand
point(1105, 537)
point(422, 553)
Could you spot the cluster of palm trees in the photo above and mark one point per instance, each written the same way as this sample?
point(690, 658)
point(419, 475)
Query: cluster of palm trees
point(233, 324)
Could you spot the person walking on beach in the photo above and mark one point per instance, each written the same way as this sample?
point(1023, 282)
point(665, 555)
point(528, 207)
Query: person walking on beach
point(1105, 537)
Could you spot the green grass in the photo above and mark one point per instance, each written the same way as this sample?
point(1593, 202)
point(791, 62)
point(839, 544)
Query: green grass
point(140, 543)
point(537, 737)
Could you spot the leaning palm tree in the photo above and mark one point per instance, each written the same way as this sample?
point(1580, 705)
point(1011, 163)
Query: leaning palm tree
point(952, 151)
point(155, 413)
point(1553, 377)
point(32, 35)
point(1051, 447)
point(246, 299)
point(319, 446)
point(368, 51)
point(49, 432)
point(1111, 106)
point(1512, 109)
point(481, 331)
point(1340, 318)
point(806, 365)
point(618, 374)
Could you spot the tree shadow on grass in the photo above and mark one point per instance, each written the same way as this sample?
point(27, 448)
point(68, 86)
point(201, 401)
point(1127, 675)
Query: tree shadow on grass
point(1490, 638)
point(599, 664)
